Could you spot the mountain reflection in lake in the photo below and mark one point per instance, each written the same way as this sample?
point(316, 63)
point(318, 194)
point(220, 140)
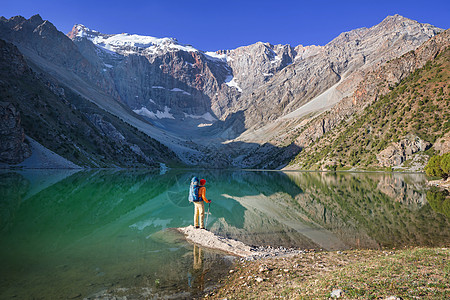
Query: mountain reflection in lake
point(81, 234)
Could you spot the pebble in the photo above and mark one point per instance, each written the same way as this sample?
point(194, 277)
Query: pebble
point(259, 279)
point(336, 293)
point(231, 271)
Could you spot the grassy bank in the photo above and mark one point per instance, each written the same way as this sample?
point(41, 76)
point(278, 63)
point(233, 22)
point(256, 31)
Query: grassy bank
point(418, 273)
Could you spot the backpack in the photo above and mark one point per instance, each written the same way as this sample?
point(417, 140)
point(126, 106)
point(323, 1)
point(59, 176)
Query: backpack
point(193, 190)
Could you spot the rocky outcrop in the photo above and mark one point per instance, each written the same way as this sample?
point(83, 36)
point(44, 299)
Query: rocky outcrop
point(396, 153)
point(13, 148)
point(253, 65)
point(442, 145)
point(107, 129)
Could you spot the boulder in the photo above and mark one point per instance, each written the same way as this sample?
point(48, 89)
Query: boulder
point(442, 145)
point(396, 153)
point(336, 293)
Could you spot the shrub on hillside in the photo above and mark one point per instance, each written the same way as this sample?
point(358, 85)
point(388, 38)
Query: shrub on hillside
point(439, 166)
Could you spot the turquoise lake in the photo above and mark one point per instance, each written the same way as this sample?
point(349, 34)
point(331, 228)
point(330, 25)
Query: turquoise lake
point(107, 233)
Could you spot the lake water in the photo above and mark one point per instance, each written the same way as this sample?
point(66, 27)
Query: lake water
point(81, 234)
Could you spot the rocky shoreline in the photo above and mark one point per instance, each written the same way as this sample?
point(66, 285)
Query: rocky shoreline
point(444, 184)
point(279, 272)
point(205, 238)
point(352, 274)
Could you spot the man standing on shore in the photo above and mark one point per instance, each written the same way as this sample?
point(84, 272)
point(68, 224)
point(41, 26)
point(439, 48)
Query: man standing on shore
point(199, 205)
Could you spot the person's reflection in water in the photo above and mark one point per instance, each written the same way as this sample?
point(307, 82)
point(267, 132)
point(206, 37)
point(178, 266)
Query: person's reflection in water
point(198, 258)
point(197, 280)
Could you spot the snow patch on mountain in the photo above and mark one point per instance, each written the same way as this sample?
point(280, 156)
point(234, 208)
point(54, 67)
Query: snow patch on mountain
point(275, 60)
point(206, 116)
point(158, 115)
point(214, 56)
point(204, 125)
point(231, 82)
point(180, 90)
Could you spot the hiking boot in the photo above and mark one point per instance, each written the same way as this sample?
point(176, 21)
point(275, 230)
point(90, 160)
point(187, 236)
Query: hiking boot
point(202, 228)
point(197, 226)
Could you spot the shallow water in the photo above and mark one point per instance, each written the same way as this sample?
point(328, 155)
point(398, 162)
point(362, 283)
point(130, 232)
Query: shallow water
point(68, 234)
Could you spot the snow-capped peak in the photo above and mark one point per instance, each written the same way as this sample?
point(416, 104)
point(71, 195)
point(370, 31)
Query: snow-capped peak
point(80, 30)
point(126, 44)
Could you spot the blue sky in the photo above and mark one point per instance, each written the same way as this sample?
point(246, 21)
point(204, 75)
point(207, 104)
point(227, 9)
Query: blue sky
point(214, 25)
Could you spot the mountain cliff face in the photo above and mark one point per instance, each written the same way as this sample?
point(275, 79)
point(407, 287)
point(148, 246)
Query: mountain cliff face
point(65, 122)
point(152, 74)
point(343, 61)
point(157, 73)
point(239, 107)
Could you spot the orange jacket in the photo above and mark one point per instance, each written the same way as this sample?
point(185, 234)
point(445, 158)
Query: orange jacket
point(202, 193)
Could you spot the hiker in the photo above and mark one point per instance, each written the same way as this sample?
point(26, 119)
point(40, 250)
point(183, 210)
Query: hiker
point(198, 196)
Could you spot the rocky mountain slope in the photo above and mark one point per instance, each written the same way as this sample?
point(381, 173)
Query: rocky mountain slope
point(343, 61)
point(240, 107)
point(52, 54)
point(247, 78)
point(64, 122)
point(398, 110)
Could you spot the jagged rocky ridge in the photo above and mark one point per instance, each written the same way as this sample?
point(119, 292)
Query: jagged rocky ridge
point(228, 108)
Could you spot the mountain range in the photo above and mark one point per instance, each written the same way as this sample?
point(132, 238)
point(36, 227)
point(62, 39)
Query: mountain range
point(124, 100)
